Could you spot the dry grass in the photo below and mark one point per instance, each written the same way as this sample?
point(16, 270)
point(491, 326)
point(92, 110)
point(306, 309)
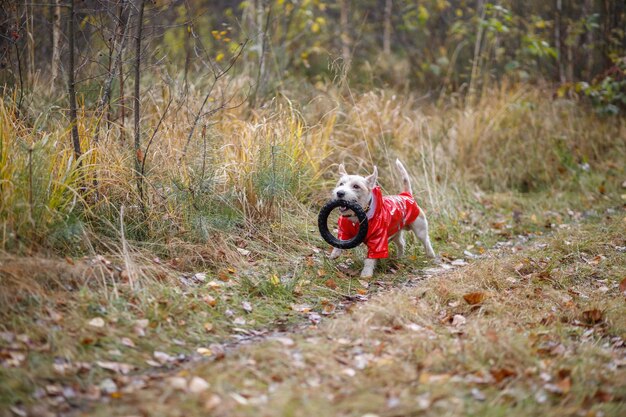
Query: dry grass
point(244, 168)
point(529, 348)
point(252, 181)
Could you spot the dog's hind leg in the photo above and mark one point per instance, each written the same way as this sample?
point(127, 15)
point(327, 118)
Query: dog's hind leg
point(398, 239)
point(420, 228)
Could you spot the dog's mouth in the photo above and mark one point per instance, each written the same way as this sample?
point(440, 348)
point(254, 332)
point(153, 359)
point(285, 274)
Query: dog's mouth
point(346, 212)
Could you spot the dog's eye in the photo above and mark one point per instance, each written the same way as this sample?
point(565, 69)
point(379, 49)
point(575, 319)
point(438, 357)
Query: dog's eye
point(356, 186)
point(340, 184)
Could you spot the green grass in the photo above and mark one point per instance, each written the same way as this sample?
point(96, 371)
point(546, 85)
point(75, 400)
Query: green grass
point(179, 315)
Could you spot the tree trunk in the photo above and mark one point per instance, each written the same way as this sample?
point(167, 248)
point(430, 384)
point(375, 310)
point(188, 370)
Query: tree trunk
point(387, 28)
point(116, 51)
point(30, 41)
point(137, 110)
point(263, 49)
point(345, 31)
point(56, 43)
point(557, 41)
point(589, 42)
point(71, 83)
point(120, 67)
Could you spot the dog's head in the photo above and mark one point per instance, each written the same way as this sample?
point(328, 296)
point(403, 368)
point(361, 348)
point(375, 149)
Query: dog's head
point(354, 188)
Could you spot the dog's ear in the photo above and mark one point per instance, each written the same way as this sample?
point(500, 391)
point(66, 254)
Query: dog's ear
point(342, 170)
point(371, 180)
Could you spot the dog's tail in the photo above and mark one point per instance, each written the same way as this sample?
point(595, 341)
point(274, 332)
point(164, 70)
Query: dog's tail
point(406, 181)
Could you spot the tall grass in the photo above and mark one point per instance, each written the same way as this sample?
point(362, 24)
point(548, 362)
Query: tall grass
point(39, 183)
point(251, 171)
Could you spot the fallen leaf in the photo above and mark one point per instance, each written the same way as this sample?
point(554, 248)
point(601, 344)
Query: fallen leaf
point(285, 341)
point(622, 286)
point(241, 400)
point(200, 276)
point(301, 308)
point(127, 342)
point(117, 367)
point(426, 378)
point(198, 385)
point(246, 306)
point(177, 383)
point(243, 252)
point(500, 374)
point(492, 335)
point(163, 357)
point(208, 326)
point(275, 280)
point(213, 401)
point(210, 300)
point(97, 322)
point(362, 291)
point(565, 385)
point(458, 320)
point(328, 309)
point(592, 316)
point(204, 351)
point(478, 394)
point(108, 386)
point(13, 359)
point(474, 298)
point(314, 318)
point(18, 411)
point(596, 260)
point(140, 326)
point(602, 396)
point(330, 283)
point(124, 275)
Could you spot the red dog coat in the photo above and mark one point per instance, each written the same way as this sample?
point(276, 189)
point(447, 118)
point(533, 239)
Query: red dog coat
point(386, 217)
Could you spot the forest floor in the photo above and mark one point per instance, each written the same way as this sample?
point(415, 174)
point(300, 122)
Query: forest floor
point(525, 315)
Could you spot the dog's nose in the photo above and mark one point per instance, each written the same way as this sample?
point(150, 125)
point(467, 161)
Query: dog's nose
point(341, 194)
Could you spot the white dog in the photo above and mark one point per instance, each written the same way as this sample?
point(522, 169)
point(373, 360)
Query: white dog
point(387, 216)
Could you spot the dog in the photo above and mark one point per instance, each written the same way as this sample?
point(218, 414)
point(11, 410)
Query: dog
point(387, 216)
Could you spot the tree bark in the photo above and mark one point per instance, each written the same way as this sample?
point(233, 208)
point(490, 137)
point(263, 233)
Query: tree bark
point(589, 42)
point(137, 108)
point(345, 31)
point(120, 68)
point(30, 41)
point(387, 27)
point(115, 57)
point(71, 83)
point(56, 43)
point(558, 44)
point(263, 50)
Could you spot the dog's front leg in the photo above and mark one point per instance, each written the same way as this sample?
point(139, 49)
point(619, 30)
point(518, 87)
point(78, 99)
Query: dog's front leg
point(368, 268)
point(336, 253)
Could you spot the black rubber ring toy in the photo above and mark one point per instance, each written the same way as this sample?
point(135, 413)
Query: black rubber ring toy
point(322, 224)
